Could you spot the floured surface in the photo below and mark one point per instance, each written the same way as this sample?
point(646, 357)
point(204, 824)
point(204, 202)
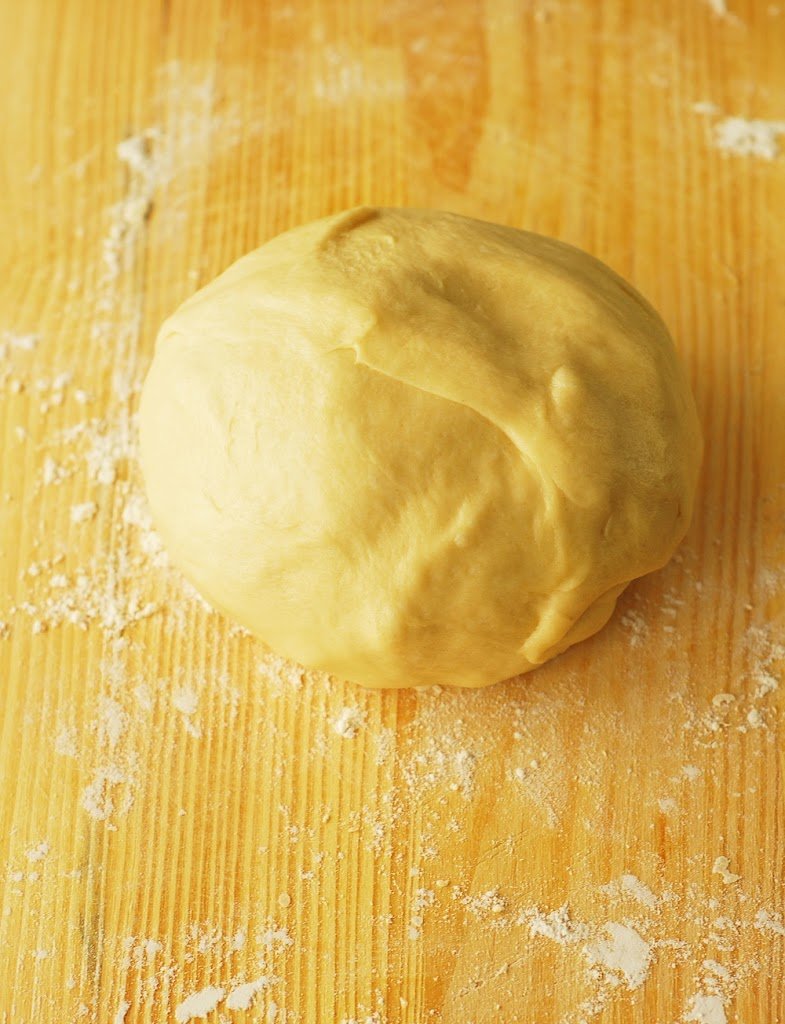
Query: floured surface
point(194, 829)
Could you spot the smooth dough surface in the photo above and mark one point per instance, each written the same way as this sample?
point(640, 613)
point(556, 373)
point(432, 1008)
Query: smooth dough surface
point(408, 448)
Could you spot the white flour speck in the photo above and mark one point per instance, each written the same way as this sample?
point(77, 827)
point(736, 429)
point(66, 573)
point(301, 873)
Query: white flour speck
point(242, 997)
point(743, 136)
point(275, 937)
point(423, 899)
point(721, 866)
point(767, 922)
point(707, 1009)
point(186, 701)
point(22, 342)
point(83, 512)
point(349, 722)
point(200, 1004)
point(630, 885)
point(37, 852)
point(622, 951)
point(122, 1010)
point(556, 925)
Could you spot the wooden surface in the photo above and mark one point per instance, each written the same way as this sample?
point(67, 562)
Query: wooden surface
point(178, 809)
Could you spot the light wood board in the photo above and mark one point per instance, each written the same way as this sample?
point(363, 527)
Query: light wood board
point(177, 809)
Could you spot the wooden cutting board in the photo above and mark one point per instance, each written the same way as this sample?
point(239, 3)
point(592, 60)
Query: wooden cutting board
point(190, 827)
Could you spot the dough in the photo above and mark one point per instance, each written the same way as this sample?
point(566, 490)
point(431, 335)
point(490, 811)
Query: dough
point(408, 448)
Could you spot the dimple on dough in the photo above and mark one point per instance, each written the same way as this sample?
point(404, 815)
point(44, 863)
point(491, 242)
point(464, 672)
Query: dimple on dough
point(407, 448)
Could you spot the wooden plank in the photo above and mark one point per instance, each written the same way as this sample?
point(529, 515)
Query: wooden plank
point(177, 809)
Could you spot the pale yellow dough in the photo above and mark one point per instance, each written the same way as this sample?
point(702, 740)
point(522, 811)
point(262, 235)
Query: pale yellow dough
point(407, 448)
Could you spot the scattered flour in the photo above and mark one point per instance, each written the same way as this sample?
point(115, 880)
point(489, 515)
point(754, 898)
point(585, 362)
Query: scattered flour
point(66, 742)
point(767, 922)
point(111, 448)
point(38, 852)
point(743, 136)
point(122, 1010)
point(723, 700)
point(489, 902)
point(242, 997)
point(83, 512)
point(421, 901)
point(109, 792)
point(126, 220)
point(636, 626)
point(200, 1004)
point(52, 472)
point(111, 722)
point(90, 596)
point(136, 513)
point(344, 77)
point(21, 342)
point(721, 868)
point(555, 924)
point(385, 745)
point(622, 951)
point(707, 1009)
point(275, 937)
point(630, 885)
point(141, 952)
point(186, 701)
point(349, 722)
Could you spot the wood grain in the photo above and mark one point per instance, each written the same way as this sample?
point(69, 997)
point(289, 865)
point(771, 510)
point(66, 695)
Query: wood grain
point(177, 808)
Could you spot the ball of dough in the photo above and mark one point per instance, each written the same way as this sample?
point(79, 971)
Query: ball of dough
point(408, 448)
